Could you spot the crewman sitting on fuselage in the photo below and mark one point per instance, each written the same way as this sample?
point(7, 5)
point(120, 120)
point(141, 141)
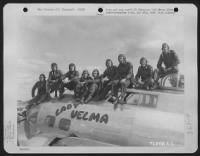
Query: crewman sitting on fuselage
point(42, 94)
point(123, 79)
point(145, 73)
point(109, 73)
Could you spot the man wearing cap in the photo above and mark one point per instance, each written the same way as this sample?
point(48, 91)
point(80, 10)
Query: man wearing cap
point(73, 78)
point(109, 73)
point(42, 94)
point(124, 78)
point(170, 60)
point(54, 80)
point(144, 76)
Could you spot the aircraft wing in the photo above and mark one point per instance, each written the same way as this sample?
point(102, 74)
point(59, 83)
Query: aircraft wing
point(39, 140)
point(76, 141)
point(152, 92)
point(48, 139)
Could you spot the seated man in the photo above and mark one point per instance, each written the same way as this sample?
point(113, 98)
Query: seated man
point(169, 59)
point(54, 80)
point(82, 87)
point(93, 87)
point(123, 79)
point(42, 94)
point(109, 73)
point(73, 76)
point(145, 73)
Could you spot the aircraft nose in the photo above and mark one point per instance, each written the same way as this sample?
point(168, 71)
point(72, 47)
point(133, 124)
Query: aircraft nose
point(30, 127)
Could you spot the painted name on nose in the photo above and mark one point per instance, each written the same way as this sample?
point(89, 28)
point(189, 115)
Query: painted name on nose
point(82, 115)
point(64, 108)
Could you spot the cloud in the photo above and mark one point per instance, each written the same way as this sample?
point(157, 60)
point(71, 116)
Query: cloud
point(88, 41)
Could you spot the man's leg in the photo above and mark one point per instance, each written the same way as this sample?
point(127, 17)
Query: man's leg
point(32, 102)
point(148, 83)
point(61, 89)
point(58, 87)
point(51, 87)
point(74, 83)
point(107, 87)
point(158, 73)
point(77, 90)
point(115, 87)
point(84, 93)
point(124, 84)
point(43, 98)
point(173, 70)
point(174, 77)
point(92, 89)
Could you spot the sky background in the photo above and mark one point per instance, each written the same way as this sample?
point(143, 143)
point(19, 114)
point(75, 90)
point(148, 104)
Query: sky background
point(37, 41)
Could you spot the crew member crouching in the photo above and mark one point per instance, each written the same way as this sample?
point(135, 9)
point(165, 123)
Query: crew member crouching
point(54, 80)
point(73, 80)
point(170, 60)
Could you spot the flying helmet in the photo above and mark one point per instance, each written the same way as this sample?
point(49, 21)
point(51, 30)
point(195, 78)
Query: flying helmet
point(85, 71)
point(95, 70)
point(54, 64)
point(42, 75)
point(165, 44)
point(107, 60)
point(122, 55)
point(143, 58)
point(72, 64)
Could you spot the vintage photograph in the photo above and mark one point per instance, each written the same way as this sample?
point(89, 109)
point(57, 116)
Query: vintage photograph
point(97, 80)
point(101, 80)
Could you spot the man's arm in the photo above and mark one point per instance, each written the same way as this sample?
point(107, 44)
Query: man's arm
point(160, 61)
point(150, 71)
point(138, 74)
point(176, 59)
point(130, 72)
point(89, 80)
point(116, 75)
point(34, 88)
point(49, 77)
point(64, 76)
point(76, 76)
point(60, 74)
point(104, 74)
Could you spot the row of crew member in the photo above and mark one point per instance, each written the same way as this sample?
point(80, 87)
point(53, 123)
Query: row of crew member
point(85, 87)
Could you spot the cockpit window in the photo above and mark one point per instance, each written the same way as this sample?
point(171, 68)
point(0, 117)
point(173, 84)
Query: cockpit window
point(173, 81)
point(147, 100)
point(50, 120)
point(64, 124)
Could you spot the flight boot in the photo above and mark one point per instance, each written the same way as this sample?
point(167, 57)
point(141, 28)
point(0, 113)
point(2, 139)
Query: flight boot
point(56, 94)
point(82, 100)
point(61, 95)
point(88, 99)
point(155, 85)
point(115, 103)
